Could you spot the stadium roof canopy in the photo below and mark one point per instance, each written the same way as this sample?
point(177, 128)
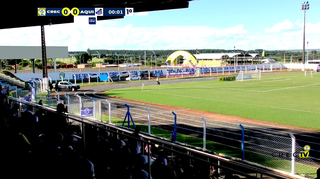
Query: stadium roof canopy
point(203, 56)
point(217, 56)
point(24, 13)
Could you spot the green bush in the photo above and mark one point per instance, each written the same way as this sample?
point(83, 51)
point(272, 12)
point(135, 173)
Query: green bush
point(228, 78)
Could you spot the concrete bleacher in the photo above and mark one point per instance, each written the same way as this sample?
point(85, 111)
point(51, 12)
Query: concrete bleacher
point(11, 80)
point(59, 145)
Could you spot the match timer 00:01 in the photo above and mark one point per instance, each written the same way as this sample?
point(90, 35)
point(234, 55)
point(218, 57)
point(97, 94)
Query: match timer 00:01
point(118, 11)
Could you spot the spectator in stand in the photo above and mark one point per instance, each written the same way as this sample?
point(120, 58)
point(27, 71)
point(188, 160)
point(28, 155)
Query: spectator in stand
point(136, 149)
point(14, 110)
point(50, 86)
point(173, 137)
point(318, 174)
point(137, 142)
point(56, 87)
point(30, 124)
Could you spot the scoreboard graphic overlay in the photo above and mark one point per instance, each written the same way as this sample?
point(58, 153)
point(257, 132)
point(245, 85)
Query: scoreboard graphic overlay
point(91, 12)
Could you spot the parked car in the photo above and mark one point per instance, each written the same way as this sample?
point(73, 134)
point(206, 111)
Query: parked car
point(65, 85)
point(7, 68)
point(93, 75)
point(35, 79)
point(132, 77)
point(146, 73)
point(124, 74)
point(115, 78)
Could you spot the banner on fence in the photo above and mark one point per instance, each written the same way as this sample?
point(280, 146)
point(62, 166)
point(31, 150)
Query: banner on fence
point(103, 77)
point(85, 112)
point(173, 72)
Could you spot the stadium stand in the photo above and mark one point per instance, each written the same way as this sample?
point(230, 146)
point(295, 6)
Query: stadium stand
point(44, 143)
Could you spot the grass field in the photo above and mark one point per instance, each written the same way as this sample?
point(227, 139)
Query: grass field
point(291, 99)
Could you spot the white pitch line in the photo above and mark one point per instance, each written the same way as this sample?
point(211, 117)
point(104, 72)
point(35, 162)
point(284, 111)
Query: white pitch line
point(234, 89)
point(215, 86)
point(293, 87)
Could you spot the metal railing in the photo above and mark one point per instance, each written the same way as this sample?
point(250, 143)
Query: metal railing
point(178, 151)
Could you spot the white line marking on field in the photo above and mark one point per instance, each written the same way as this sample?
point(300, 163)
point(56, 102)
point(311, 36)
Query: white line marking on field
point(293, 87)
point(234, 102)
point(234, 89)
point(247, 83)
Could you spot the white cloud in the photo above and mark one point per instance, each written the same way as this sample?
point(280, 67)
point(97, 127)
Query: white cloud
point(141, 13)
point(282, 26)
point(111, 35)
point(232, 31)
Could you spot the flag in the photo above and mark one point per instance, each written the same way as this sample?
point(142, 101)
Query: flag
point(263, 53)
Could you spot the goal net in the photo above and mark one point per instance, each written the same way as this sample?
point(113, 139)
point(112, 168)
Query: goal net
point(250, 75)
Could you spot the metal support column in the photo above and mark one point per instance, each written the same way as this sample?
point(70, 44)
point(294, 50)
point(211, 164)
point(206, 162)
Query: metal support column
point(33, 66)
point(149, 129)
point(204, 132)
point(44, 54)
point(293, 150)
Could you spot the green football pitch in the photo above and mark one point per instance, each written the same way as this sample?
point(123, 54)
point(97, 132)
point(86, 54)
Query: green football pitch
point(291, 99)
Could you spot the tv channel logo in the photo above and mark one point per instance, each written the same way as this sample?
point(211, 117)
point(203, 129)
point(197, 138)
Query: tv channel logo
point(41, 11)
point(99, 11)
point(305, 153)
point(92, 20)
point(300, 154)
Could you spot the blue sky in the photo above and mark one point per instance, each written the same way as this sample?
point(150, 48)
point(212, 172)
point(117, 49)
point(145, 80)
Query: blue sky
point(218, 24)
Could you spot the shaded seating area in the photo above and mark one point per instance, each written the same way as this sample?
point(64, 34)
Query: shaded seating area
point(39, 142)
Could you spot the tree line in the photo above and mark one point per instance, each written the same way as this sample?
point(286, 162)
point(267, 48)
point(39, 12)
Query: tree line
point(156, 57)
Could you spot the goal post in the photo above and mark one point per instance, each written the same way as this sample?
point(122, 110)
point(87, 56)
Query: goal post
point(256, 75)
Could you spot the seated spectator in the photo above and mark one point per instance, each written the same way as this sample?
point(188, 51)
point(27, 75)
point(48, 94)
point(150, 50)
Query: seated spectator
point(30, 122)
point(136, 144)
point(318, 174)
point(57, 122)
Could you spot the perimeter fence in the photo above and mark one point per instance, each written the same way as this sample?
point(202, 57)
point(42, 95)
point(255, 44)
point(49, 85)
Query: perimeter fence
point(270, 147)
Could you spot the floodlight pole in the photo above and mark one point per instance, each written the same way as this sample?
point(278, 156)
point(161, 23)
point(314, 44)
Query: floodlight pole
point(155, 60)
point(304, 7)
